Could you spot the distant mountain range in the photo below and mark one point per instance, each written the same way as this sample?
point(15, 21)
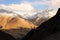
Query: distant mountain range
point(19, 23)
point(32, 15)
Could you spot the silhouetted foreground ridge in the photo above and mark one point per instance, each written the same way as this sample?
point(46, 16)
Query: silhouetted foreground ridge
point(49, 30)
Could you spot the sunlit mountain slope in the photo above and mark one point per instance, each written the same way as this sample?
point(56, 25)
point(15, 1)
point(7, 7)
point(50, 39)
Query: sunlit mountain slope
point(8, 21)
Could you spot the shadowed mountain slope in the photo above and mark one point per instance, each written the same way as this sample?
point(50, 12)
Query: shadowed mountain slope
point(5, 36)
point(47, 28)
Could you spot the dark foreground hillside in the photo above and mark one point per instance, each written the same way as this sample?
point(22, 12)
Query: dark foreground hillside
point(5, 36)
point(49, 30)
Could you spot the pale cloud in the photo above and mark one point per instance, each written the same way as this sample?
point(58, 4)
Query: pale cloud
point(49, 3)
point(56, 3)
point(24, 9)
point(23, 6)
point(36, 2)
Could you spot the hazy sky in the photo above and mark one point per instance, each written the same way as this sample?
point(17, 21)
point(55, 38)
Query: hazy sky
point(38, 4)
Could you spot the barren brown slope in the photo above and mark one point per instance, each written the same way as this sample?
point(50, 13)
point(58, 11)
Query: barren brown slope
point(14, 22)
